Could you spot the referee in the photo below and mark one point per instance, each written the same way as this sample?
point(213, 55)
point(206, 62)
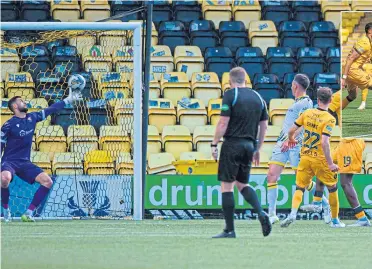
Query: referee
point(242, 111)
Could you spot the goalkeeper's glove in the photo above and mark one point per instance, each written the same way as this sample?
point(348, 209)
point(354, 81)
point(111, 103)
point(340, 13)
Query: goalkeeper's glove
point(73, 97)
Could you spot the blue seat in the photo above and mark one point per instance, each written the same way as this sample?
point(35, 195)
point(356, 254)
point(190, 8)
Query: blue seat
point(52, 92)
point(310, 61)
point(306, 11)
point(280, 60)
point(162, 11)
point(233, 35)
point(276, 11)
point(323, 35)
point(173, 34)
point(118, 7)
point(218, 60)
point(287, 85)
point(9, 11)
point(331, 80)
point(65, 117)
point(35, 10)
point(35, 59)
point(203, 34)
point(251, 59)
point(333, 60)
point(187, 11)
point(98, 116)
point(66, 57)
point(58, 42)
point(293, 34)
point(268, 86)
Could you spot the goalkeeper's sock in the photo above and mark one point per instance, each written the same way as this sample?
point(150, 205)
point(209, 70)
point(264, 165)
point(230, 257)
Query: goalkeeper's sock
point(5, 198)
point(39, 196)
point(228, 207)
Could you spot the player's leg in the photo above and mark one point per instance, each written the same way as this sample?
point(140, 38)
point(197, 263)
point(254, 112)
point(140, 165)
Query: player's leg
point(364, 99)
point(7, 172)
point(352, 197)
point(335, 206)
point(272, 189)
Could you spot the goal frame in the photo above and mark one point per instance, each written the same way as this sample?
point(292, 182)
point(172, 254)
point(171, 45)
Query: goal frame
point(137, 69)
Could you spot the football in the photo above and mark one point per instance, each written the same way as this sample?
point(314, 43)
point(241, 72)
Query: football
point(76, 82)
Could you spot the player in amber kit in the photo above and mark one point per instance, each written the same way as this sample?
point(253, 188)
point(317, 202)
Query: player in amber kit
point(316, 159)
point(354, 76)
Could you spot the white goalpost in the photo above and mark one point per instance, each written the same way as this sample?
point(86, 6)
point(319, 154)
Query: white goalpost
point(136, 84)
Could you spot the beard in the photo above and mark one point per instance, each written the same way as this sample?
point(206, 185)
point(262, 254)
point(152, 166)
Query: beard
point(23, 109)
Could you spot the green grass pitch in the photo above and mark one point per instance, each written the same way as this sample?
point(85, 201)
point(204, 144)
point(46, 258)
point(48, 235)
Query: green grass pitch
point(355, 122)
point(151, 244)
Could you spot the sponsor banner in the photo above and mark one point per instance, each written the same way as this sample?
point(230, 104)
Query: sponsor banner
point(204, 192)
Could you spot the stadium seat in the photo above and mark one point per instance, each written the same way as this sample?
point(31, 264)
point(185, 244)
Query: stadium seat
point(97, 59)
point(95, 10)
point(118, 7)
point(65, 59)
point(114, 140)
point(9, 61)
point(333, 60)
point(9, 11)
point(192, 117)
point(161, 113)
point(361, 5)
point(122, 58)
point(6, 114)
point(278, 110)
point(246, 11)
point(161, 61)
point(51, 139)
point(35, 11)
point(263, 34)
point(153, 140)
point(82, 138)
point(287, 85)
point(42, 160)
point(219, 60)
point(176, 139)
point(192, 155)
point(161, 164)
point(345, 34)
point(263, 167)
point(206, 86)
point(35, 59)
point(306, 11)
point(293, 34)
point(155, 90)
point(272, 133)
point(82, 41)
point(203, 34)
point(187, 11)
point(368, 164)
point(233, 35)
point(202, 139)
point(124, 114)
point(2, 90)
point(112, 40)
point(226, 81)
point(154, 33)
point(214, 111)
point(323, 35)
point(162, 11)
point(217, 11)
point(19, 84)
point(330, 80)
point(188, 59)
point(331, 11)
point(173, 34)
point(277, 13)
point(335, 138)
point(175, 86)
point(124, 164)
point(280, 60)
point(310, 61)
point(114, 86)
point(268, 86)
point(99, 162)
point(251, 59)
point(65, 10)
point(67, 163)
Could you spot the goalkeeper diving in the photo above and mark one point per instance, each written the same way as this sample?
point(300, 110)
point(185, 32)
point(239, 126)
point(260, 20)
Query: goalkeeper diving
point(16, 143)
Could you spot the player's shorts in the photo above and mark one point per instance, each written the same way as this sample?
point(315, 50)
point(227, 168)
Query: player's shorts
point(235, 160)
point(349, 155)
point(26, 170)
point(310, 167)
point(281, 158)
point(357, 77)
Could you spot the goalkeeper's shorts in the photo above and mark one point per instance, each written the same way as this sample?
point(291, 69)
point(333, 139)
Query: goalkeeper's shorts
point(25, 170)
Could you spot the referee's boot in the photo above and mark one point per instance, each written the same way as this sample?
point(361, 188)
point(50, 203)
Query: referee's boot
point(265, 223)
point(225, 234)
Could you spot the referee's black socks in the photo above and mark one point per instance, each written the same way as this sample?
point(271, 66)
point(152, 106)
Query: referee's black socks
point(250, 196)
point(228, 207)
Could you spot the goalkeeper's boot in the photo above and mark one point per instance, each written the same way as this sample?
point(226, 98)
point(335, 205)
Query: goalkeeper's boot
point(273, 219)
point(362, 222)
point(225, 234)
point(265, 223)
point(327, 214)
point(27, 218)
point(312, 208)
point(7, 215)
point(336, 223)
point(288, 221)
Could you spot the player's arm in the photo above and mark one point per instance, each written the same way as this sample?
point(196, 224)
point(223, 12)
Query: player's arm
point(4, 135)
point(326, 145)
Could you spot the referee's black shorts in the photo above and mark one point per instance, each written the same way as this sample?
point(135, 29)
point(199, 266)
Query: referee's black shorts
point(235, 160)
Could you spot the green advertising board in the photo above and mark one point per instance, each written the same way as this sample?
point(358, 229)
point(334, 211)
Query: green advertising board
point(203, 192)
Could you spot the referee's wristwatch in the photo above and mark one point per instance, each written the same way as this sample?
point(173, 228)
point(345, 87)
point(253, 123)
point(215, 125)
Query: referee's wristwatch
point(213, 146)
point(344, 76)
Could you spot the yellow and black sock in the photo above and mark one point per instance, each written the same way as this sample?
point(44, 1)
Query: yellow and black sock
point(318, 195)
point(364, 95)
point(359, 212)
point(334, 202)
point(297, 198)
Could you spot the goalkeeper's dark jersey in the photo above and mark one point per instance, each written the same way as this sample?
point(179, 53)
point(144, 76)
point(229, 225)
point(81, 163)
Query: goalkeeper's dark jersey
point(16, 133)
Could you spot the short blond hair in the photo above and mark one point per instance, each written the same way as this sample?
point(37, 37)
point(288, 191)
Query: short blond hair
point(324, 94)
point(237, 75)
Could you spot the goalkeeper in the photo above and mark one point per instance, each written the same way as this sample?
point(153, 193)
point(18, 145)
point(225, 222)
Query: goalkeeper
point(16, 142)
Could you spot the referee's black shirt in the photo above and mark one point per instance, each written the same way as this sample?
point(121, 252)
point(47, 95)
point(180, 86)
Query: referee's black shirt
point(246, 109)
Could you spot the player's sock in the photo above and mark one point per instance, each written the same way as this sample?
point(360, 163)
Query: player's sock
point(311, 187)
point(228, 207)
point(364, 95)
point(272, 196)
point(5, 198)
point(359, 212)
point(334, 202)
point(250, 196)
point(317, 200)
point(296, 200)
point(39, 196)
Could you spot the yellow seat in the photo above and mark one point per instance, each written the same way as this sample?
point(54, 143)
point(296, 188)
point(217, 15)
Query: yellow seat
point(175, 86)
point(162, 113)
point(82, 41)
point(331, 11)
point(122, 59)
point(368, 164)
point(263, 34)
point(153, 140)
point(82, 138)
point(226, 81)
point(124, 114)
point(5, 112)
point(345, 34)
point(214, 111)
point(51, 139)
point(124, 164)
point(114, 86)
point(263, 167)
point(95, 10)
point(368, 149)
point(68, 163)
point(114, 140)
point(272, 133)
point(268, 147)
point(192, 117)
point(161, 164)
point(336, 137)
point(161, 61)
point(65, 10)
point(97, 59)
point(113, 40)
point(202, 139)
point(2, 89)
point(154, 33)
point(278, 110)
point(99, 162)
point(176, 139)
point(206, 86)
point(188, 59)
point(217, 11)
point(246, 11)
point(20, 84)
point(9, 61)
point(154, 87)
point(42, 160)
point(361, 5)
point(37, 104)
point(192, 155)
